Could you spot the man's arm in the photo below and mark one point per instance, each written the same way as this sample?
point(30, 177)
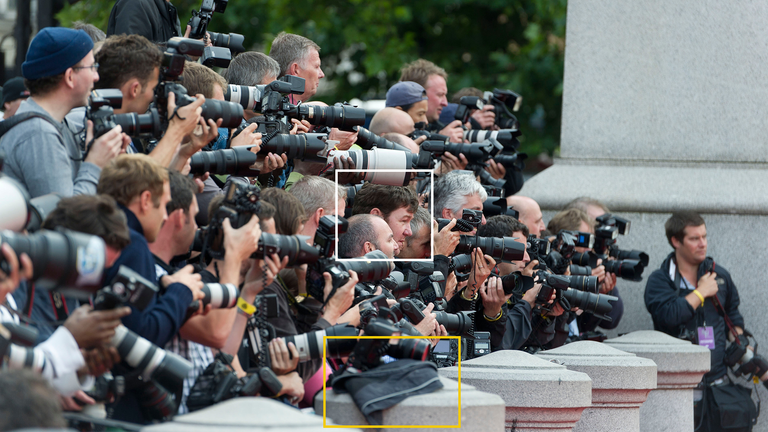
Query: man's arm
point(46, 167)
point(517, 321)
point(663, 303)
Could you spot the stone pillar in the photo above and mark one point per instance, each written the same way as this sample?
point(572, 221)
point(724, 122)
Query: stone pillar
point(245, 414)
point(539, 395)
point(664, 110)
point(680, 366)
point(620, 384)
point(479, 411)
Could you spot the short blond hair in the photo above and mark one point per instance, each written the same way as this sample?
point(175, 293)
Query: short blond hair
point(420, 70)
point(199, 79)
point(570, 220)
point(129, 175)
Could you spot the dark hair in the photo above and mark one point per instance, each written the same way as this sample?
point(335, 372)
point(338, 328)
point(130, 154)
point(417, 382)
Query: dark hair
point(92, 214)
point(291, 214)
point(676, 224)
point(183, 189)
point(43, 86)
point(266, 210)
point(385, 198)
point(501, 226)
point(123, 57)
point(359, 231)
point(27, 400)
point(570, 220)
point(466, 91)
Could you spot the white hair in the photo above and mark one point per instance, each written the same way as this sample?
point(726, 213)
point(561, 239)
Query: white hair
point(452, 189)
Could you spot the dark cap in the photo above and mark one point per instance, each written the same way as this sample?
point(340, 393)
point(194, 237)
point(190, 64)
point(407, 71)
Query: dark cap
point(405, 93)
point(14, 89)
point(54, 50)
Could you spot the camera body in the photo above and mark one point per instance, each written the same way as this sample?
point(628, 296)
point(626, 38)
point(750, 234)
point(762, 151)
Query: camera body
point(200, 19)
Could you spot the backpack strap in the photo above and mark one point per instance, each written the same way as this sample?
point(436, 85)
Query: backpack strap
point(7, 125)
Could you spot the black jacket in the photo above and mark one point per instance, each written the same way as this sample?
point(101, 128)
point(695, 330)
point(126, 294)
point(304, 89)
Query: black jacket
point(156, 20)
point(673, 315)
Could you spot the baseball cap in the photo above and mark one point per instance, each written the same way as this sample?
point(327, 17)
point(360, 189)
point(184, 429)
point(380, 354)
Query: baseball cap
point(14, 89)
point(405, 93)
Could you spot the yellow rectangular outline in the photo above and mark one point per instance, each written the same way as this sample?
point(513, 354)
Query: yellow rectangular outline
point(325, 364)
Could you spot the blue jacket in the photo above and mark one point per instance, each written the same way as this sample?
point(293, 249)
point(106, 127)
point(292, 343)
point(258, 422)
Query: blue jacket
point(161, 320)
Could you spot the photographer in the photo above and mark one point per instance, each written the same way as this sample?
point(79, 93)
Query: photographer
point(41, 152)
point(519, 310)
point(318, 196)
point(418, 245)
point(367, 233)
point(691, 298)
point(576, 220)
point(409, 97)
point(156, 20)
point(14, 92)
point(529, 213)
point(390, 120)
point(395, 204)
point(131, 63)
point(433, 79)
point(252, 68)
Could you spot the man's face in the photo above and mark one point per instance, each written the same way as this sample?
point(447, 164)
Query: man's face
point(400, 223)
point(11, 107)
point(419, 247)
point(418, 111)
point(385, 240)
point(156, 216)
point(309, 69)
point(694, 247)
point(84, 77)
point(507, 268)
point(534, 220)
point(147, 92)
point(437, 94)
point(473, 203)
point(187, 234)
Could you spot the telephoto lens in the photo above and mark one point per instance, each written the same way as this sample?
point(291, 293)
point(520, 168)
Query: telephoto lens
point(39, 208)
point(585, 283)
point(248, 97)
point(381, 159)
point(368, 140)
point(475, 153)
point(462, 263)
point(577, 270)
point(631, 270)
point(310, 345)
point(236, 161)
point(459, 323)
point(294, 247)
point(15, 209)
point(13, 356)
point(368, 271)
point(61, 260)
point(630, 255)
point(516, 160)
point(415, 349)
point(310, 147)
point(588, 259)
point(220, 295)
point(344, 117)
point(233, 41)
point(506, 137)
point(134, 124)
point(167, 368)
point(516, 283)
point(230, 113)
point(598, 305)
point(500, 249)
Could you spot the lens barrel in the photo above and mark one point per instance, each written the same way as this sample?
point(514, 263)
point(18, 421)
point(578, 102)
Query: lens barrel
point(626, 269)
point(294, 247)
point(235, 161)
point(133, 124)
point(344, 117)
point(504, 249)
point(233, 41)
point(310, 345)
point(598, 305)
point(307, 147)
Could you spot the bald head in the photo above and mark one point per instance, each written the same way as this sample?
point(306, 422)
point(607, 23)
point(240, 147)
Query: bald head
point(391, 120)
point(402, 140)
point(530, 213)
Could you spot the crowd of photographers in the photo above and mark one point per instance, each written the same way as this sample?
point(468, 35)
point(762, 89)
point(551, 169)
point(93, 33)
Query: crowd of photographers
point(167, 251)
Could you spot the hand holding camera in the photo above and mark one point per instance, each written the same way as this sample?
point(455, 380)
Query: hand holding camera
point(341, 300)
point(9, 282)
point(454, 132)
point(493, 296)
point(182, 121)
point(485, 117)
point(106, 147)
point(94, 328)
point(284, 357)
point(186, 277)
point(427, 325)
point(446, 239)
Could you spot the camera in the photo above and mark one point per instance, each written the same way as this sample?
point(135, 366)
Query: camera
point(17, 351)
point(368, 140)
point(236, 161)
point(598, 305)
point(627, 269)
point(504, 102)
point(172, 68)
point(367, 353)
point(101, 112)
point(517, 284)
point(505, 249)
point(214, 56)
point(476, 153)
point(511, 160)
point(232, 41)
point(219, 296)
point(459, 324)
point(466, 105)
point(200, 19)
point(506, 137)
point(748, 361)
point(310, 345)
point(62, 260)
point(382, 159)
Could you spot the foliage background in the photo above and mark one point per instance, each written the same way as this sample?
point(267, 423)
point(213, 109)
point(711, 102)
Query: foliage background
point(487, 44)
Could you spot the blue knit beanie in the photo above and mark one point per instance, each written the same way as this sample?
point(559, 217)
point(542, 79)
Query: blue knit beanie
point(54, 50)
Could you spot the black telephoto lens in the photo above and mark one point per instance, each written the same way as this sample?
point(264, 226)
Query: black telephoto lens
point(416, 349)
point(61, 260)
point(577, 270)
point(598, 305)
point(301, 146)
point(500, 249)
point(516, 283)
point(630, 255)
point(235, 161)
point(462, 263)
point(294, 247)
point(233, 41)
point(456, 324)
point(368, 140)
point(585, 283)
point(230, 113)
point(133, 124)
point(584, 259)
point(626, 269)
point(344, 117)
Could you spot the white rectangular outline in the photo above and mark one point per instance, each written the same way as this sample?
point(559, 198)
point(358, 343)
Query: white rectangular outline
point(431, 213)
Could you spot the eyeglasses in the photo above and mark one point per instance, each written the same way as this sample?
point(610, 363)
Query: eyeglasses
point(93, 67)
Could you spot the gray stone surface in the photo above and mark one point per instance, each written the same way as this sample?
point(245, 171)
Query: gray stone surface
point(479, 411)
point(661, 79)
point(620, 384)
point(245, 414)
point(539, 395)
point(680, 367)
